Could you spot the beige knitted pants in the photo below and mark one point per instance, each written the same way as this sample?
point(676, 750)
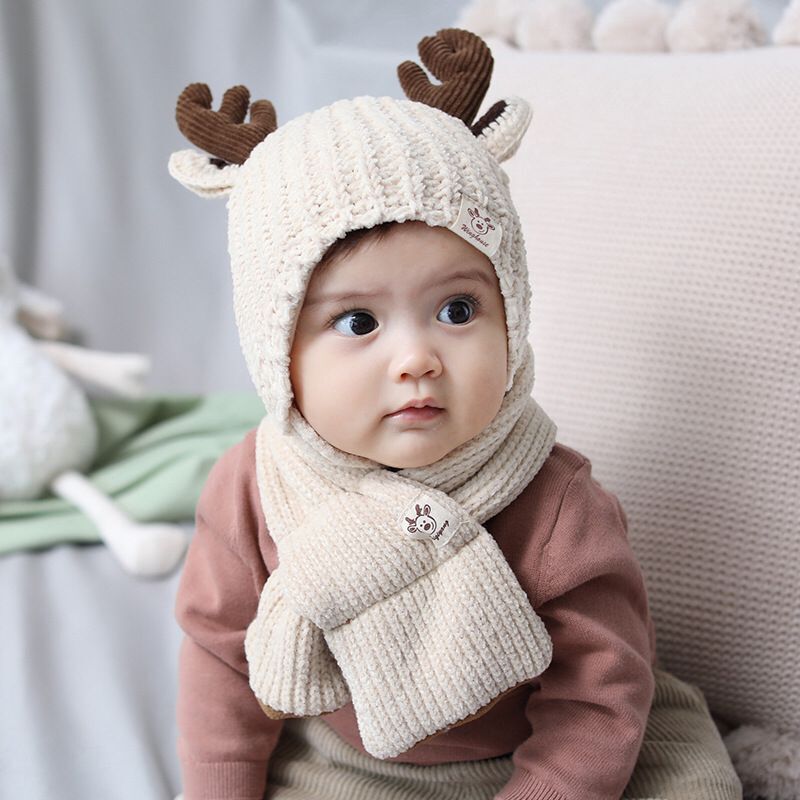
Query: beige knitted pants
point(682, 758)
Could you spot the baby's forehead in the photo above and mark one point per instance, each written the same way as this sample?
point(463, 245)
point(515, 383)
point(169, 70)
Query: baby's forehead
point(382, 254)
point(375, 272)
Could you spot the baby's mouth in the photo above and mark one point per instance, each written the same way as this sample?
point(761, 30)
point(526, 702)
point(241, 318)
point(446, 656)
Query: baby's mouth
point(418, 403)
point(417, 414)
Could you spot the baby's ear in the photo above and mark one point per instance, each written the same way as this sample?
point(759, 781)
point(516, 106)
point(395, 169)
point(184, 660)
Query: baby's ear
point(502, 127)
point(201, 174)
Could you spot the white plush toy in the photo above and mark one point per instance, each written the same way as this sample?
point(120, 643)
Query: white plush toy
point(492, 17)
point(634, 26)
point(714, 25)
point(554, 25)
point(48, 434)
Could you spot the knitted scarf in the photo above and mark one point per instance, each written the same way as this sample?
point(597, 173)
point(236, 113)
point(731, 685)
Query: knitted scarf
point(389, 592)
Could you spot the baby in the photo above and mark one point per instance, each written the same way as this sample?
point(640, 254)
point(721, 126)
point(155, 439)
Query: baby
point(400, 566)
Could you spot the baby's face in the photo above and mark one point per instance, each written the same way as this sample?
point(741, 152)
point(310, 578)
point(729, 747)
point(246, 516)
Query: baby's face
point(415, 316)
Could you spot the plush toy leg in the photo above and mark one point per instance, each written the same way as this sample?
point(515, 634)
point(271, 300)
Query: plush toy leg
point(40, 315)
point(146, 550)
point(122, 373)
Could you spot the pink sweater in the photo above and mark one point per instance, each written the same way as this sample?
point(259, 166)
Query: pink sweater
point(575, 732)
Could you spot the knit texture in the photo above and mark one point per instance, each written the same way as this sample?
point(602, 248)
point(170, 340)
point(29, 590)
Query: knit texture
point(662, 207)
point(357, 605)
point(352, 165)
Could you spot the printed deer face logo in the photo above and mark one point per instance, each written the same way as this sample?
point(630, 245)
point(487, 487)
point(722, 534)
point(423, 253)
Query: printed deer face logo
point(423, 522)
point(479, 224)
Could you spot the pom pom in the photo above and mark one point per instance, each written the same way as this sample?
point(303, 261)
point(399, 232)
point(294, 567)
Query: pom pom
point(479, 17)
point(787, 31)
point(767, 761)
point(632, 26)
point(492, 17)
point(700, 25)
point(554, 25)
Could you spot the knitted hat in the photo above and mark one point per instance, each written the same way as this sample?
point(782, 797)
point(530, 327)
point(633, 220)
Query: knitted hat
point(295, 189)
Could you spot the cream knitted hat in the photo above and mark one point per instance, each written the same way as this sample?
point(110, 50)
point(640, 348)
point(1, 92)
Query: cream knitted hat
point(354, 164)
point(389, 592)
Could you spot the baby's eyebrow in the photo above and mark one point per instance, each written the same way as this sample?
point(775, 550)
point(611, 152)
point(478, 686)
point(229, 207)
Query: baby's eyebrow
point(469, 275)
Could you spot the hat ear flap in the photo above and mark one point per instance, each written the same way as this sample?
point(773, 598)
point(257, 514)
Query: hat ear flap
point(502, 127)
point(200, 174)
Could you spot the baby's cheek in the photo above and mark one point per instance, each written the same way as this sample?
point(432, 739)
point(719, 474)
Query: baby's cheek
point(312, 376)
point(362, 396)
point(490, 374)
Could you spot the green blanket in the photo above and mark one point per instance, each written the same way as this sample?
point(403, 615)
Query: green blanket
point(153, 458)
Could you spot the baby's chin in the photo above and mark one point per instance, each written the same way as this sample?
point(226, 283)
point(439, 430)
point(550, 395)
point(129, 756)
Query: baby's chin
point(411, 463)
point(414, 461)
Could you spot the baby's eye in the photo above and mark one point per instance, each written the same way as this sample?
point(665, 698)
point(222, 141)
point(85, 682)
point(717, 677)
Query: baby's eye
point(355, 323)
point(458, 311)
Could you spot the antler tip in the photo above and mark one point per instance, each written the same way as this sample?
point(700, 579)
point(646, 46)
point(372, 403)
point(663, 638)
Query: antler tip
point(196, 92)
point(463, 63)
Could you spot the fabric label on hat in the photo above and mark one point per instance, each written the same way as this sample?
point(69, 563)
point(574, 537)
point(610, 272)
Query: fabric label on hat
point(427, 519)
point(477, 227)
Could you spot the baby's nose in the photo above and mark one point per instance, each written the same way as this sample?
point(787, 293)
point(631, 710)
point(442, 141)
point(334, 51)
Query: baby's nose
point(415, 356)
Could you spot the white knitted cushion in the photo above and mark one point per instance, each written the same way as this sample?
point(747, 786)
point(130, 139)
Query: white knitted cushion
point(660, 200)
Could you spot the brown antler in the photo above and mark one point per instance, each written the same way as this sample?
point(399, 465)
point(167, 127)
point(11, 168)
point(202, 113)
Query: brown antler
point(458, 58)
point(224, 133)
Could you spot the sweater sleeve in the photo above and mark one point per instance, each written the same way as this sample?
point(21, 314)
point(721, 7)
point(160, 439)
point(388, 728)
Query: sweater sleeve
point(224, 739)
point(589, 713)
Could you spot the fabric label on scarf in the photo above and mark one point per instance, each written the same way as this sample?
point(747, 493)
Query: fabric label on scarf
point(427, 519)
point(476, 226)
